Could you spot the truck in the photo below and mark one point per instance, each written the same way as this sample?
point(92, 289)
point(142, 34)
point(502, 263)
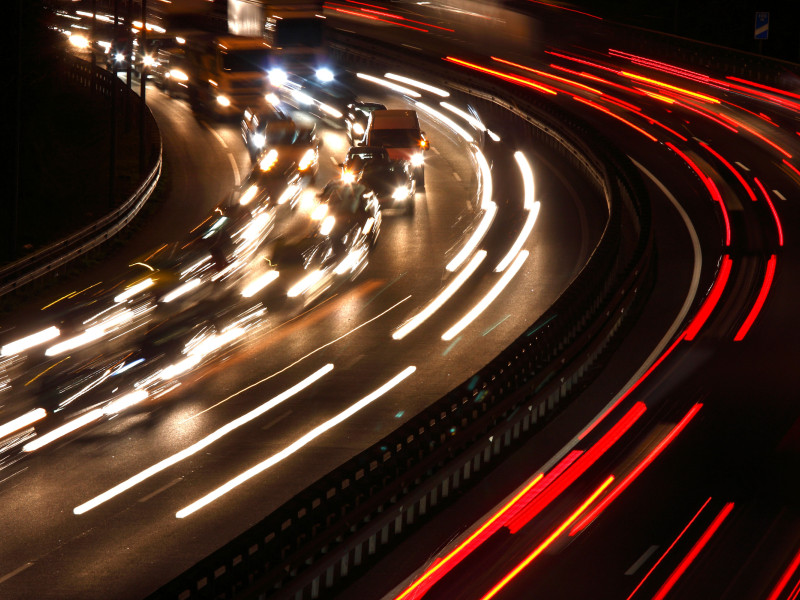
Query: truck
point(297, 33)
point(226, 73)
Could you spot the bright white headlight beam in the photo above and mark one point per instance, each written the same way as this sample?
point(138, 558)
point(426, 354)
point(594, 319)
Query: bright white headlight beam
point(446, 120)
point(182, 289)
point(390, 85)
point(464, 115)
point(438, 301)
point(418, 84)
point(295, 446)
point(65, 429)
point(29, 341)
point(259, 283)
point(203, 443)
point(529, 204)
point(29, 418)
point(487, 299)
point(475, 238)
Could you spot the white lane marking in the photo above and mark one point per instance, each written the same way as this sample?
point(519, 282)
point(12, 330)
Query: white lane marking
point(779, 195)
point(236, 179)
point(276, 420)
point(333, 160)
point(410, 46)
point(456, 176)
point(13, 475)
point(642, 559)
point(741, 165)
point(16, 571)
point(435, 151)
point(161, 489)
point(216, 135)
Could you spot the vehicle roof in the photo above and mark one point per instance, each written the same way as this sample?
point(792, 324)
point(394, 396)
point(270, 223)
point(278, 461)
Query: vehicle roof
point(394, 119)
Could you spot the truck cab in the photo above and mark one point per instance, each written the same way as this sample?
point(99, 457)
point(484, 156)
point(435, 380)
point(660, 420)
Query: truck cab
point(398, 131)
point(227, 74)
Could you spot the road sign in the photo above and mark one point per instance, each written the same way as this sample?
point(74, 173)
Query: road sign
point(762, 26)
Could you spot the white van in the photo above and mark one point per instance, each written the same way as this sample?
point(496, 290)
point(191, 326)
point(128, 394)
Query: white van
point(398, 131)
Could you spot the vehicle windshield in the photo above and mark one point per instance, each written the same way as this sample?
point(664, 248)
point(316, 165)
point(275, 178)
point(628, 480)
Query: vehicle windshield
point(279, 135)
point(244, 61)
point(361, 157)
point(394, 138)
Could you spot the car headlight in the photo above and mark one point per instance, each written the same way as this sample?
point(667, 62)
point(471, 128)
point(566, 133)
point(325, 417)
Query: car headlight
point(178, 75)
point(319, 212)
point(400, 193)
point(327, 225)
point(348, 177)
point(223, 100)
point(272, 98)
point(417, 160)
point(358, 129)
point(248, 195)
point(259, 139)
point(269, 160)
point(324, 74)
point(277, 77)
point(308, 160)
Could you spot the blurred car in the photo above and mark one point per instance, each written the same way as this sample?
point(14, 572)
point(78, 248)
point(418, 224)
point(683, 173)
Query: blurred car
point(254, 124)
point(170, 71)
point(287, 143)
point(392, 181)
point(356, 118)
point(327, 100)
point(348, 212)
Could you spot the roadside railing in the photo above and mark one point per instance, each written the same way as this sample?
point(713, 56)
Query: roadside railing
point(342, 523)
point(51, 258)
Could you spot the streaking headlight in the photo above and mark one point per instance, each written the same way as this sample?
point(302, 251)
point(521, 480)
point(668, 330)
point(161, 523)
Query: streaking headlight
point(259, 139)
point(417, 160)
point(223, 100)
point(248, 195)
point(148, 61)
point(327, 225)
point(119, 57)
point(319, 212)
point(358, 129)
point(269, 160)
point(301, 97)
point(324, 74)
point(178, 74)
point(277, 77)
point(400, 193)
point(272, 99)
point(348, 176)
point(308, 160)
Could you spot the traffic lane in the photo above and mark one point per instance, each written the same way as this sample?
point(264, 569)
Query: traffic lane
point(180, 486)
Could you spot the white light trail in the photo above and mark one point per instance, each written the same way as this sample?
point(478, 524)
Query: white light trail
point(464, 115)
point(182, 289)
point(60, 432)
point(528, 204)
point(418, 84)
point(488, 298)
point(133, 290)
point(475, 238)
point(259, 283)
point(295, 446)
point(444, 296)
point(305, 283)
point(390, 85)
point(29, 418)
point(446, 120)
point(29, 341)
point(203, 443)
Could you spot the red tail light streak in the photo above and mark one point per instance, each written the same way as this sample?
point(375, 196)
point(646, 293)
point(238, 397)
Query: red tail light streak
point(736, 173)
point(712, 189)
point(580, 12)
point(791, 166)
point(543, 546)
point(762, 297)
point(580, 466)
point(611, 114)
point(671, 546)
point(711, 301)
point(442, 567)
point(548, 75)
point(672, 88)
point(524, 81)
point(666, 441)
point(784, 580)
point(763, 87)
point(689, 558)
point(772, 208)
point(371, 17)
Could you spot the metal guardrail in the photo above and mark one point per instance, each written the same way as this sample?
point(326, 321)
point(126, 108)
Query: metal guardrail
point(47, 260)
point(350, 517)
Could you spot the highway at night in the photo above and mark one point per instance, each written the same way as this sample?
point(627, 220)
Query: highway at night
point(155, 435)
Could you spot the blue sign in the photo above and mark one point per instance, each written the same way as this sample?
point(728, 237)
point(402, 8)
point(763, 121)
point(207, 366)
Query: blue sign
point(762, 25)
